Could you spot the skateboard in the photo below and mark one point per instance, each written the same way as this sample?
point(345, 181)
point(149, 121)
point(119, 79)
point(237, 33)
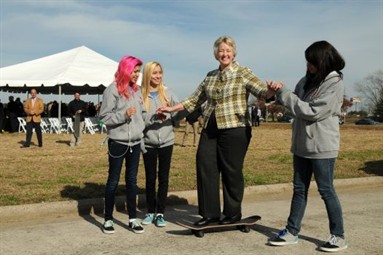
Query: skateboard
point(242, 225)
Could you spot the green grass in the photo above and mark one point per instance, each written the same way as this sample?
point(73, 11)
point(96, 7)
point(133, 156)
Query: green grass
point(58, 172)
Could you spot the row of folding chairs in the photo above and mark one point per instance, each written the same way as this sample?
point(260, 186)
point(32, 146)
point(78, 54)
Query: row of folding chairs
point(55, 126)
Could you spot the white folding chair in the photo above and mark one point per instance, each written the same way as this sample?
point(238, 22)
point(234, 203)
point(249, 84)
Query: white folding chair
point(56, 126)
point(90, 126)
point(69, 124)
point(22, 124)
point(44, 126)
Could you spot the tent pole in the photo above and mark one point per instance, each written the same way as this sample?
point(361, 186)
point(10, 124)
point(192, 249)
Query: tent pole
point(59, 109)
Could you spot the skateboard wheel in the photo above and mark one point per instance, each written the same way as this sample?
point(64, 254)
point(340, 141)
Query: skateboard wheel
point(198, 233)
point(244, 229)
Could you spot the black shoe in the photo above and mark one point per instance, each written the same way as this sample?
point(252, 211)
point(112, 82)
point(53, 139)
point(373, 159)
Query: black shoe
point(206, 221)
point(231, 220)
point(25, 146)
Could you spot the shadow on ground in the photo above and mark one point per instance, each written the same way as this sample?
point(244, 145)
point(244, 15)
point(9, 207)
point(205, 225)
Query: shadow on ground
point(90, 202)
point(373, 167)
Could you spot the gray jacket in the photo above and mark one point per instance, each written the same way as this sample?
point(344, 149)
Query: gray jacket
point(121, 128)
point(159, 133)
point(316, 123)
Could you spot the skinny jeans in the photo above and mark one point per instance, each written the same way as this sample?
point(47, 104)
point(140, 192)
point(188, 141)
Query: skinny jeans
point(117, 153)
point(153, 157)
point(323, 170)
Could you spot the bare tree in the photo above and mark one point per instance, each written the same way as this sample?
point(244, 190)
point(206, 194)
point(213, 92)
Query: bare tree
point(371, 89)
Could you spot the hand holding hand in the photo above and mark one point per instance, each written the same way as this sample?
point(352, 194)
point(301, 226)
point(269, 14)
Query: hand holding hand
point(273, 85)
point(163, 109)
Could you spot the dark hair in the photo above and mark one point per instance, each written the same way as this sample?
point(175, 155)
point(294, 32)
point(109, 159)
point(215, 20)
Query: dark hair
point(326, 59)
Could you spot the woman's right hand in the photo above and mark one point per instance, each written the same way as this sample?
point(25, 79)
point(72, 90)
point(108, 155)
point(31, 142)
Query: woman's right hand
point(163, 109)
point(130, 111)
point(273, 85)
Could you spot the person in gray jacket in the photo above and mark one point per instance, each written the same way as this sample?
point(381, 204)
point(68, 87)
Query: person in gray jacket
point(122, 112)
point(158, 140)
point(316, 104)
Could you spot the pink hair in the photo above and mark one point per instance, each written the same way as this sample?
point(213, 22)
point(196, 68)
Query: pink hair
point(123, 75)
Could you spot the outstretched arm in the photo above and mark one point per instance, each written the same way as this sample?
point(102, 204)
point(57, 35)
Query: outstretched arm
point(175, 108)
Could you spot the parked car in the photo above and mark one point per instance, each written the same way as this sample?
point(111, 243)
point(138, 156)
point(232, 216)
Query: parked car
point(366, 121)
point(285, 118)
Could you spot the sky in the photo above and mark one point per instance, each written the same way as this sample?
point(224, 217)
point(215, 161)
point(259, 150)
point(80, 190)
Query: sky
point(271, 36)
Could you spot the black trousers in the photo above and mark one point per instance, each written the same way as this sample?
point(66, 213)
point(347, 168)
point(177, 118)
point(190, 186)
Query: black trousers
point(153, 157)
point(36, 126)
point(221, 152)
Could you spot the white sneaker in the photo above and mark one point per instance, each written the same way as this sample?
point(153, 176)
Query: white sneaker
point(108, 228)
point(334, 243)
point(135, 226)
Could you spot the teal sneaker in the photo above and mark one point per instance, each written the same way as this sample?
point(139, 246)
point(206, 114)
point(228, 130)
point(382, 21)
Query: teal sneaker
point(284, 238)
point(160, 221)
point(149, 217)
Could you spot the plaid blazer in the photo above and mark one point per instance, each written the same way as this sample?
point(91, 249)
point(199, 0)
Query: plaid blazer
point(226, 92)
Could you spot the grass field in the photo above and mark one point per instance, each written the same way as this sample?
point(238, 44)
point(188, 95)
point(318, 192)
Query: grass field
point(58, 172)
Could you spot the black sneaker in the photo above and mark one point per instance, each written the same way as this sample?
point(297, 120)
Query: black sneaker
point(108, 228)
point(334, 243)
point(136, 227)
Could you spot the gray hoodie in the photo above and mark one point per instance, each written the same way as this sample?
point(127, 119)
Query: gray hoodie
point(316, 123)
point(121, 128)
point(159, 133)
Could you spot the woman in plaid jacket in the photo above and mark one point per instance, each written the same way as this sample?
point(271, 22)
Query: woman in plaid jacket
point(226, 132)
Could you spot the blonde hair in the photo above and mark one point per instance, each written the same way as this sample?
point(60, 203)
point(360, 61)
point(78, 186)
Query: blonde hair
point(225, 39)
point(145, 85)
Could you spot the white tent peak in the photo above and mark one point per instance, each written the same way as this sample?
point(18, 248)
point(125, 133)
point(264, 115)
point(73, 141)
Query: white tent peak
point(76, 67)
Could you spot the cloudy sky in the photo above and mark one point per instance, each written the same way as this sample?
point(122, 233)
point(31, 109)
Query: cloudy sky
point(271, 36)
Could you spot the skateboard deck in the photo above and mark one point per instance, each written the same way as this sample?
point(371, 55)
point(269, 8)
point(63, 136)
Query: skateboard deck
point(243, 225)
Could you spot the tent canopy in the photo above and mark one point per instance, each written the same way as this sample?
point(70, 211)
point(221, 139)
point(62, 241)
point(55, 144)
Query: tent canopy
point(77, 70)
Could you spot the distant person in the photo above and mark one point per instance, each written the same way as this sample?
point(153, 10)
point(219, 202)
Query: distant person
point(55, 109)
point(2, 117)
point(11, 112)
point(192, 122)
point(77, 109)
point(33, 108)
point(91, 110)
point(254, 112)
point(159, 140)
point(258, 118)
point(122, 113)
point(226, 134)
point(20, 107)
point(316, 104)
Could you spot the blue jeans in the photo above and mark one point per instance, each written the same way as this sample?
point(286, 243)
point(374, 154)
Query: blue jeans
point(117, 153)
point(323, 170)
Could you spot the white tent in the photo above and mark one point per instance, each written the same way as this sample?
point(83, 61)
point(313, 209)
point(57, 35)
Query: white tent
point(77, 70)
point(80, 69)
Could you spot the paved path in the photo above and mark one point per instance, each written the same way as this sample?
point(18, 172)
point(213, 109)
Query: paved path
point(73, 234)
